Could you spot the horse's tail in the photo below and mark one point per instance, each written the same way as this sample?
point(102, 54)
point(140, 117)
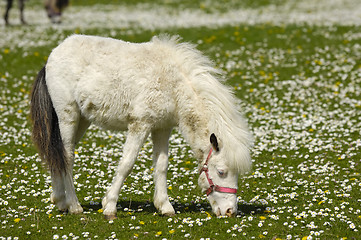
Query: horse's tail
point(46, 133)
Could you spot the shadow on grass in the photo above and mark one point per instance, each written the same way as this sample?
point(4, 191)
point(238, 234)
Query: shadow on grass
point(243, 209)
point(148, 207)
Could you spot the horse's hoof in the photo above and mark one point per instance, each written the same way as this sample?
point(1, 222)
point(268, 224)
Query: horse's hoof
point(76, 212)
point(77, 209)
point(110, 217)
point(62, 207)
point(169, 214)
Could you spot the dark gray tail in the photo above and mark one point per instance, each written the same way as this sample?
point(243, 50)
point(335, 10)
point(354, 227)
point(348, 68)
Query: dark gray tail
point(46, 133)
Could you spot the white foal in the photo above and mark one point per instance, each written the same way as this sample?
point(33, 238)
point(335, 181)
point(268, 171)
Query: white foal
point(146, 88)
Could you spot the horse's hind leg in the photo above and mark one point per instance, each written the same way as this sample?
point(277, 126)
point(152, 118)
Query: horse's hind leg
point(21, 8)
point(71, 128)
point(58, 195)
point(160, 158)
point(137, 133)
point(75, 126)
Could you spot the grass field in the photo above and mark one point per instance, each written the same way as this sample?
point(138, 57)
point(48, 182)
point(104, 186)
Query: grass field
point(295, 66)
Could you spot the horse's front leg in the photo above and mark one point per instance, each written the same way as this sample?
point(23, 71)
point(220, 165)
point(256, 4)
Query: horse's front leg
point(8, 7)
point(160, 158)
point(135, 139)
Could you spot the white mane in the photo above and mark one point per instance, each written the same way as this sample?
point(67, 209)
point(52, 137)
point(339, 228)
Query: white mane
point(218, 102)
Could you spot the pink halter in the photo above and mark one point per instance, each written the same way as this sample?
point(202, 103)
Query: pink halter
point(213, 187)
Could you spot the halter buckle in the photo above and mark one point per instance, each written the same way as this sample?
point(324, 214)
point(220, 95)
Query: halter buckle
point(210, 190)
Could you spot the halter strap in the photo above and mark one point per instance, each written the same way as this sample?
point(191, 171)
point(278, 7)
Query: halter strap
point(212, 186)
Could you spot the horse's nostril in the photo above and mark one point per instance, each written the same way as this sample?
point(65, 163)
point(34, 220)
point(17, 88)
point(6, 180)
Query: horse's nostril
point(230, 212)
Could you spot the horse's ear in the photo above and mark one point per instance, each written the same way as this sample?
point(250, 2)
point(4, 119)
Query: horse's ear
point(214, 142)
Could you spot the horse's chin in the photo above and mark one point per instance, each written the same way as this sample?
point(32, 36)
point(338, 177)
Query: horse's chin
point(228, 212)
point(223, 204)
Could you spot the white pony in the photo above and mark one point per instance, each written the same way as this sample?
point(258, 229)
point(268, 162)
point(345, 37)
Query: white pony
point(145, 88)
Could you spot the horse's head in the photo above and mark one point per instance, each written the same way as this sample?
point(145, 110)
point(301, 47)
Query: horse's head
point(54, 9)
point(219, 181)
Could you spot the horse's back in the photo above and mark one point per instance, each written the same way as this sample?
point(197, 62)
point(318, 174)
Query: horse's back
point(111, 81)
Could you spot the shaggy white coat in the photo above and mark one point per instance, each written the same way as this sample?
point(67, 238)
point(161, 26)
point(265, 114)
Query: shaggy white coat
point(146, 88)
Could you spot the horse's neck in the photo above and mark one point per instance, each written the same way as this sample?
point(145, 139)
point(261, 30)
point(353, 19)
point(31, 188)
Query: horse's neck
point(194, 116)
point(194, 127)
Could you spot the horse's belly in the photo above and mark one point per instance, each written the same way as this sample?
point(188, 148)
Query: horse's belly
point(111, 124)
point(106, 114)
point(116, 115)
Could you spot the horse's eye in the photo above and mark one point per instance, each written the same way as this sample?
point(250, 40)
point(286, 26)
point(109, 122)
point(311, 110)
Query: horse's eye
point(221, 173)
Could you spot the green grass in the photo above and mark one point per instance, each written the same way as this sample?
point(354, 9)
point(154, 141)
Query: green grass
point(299, 88)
